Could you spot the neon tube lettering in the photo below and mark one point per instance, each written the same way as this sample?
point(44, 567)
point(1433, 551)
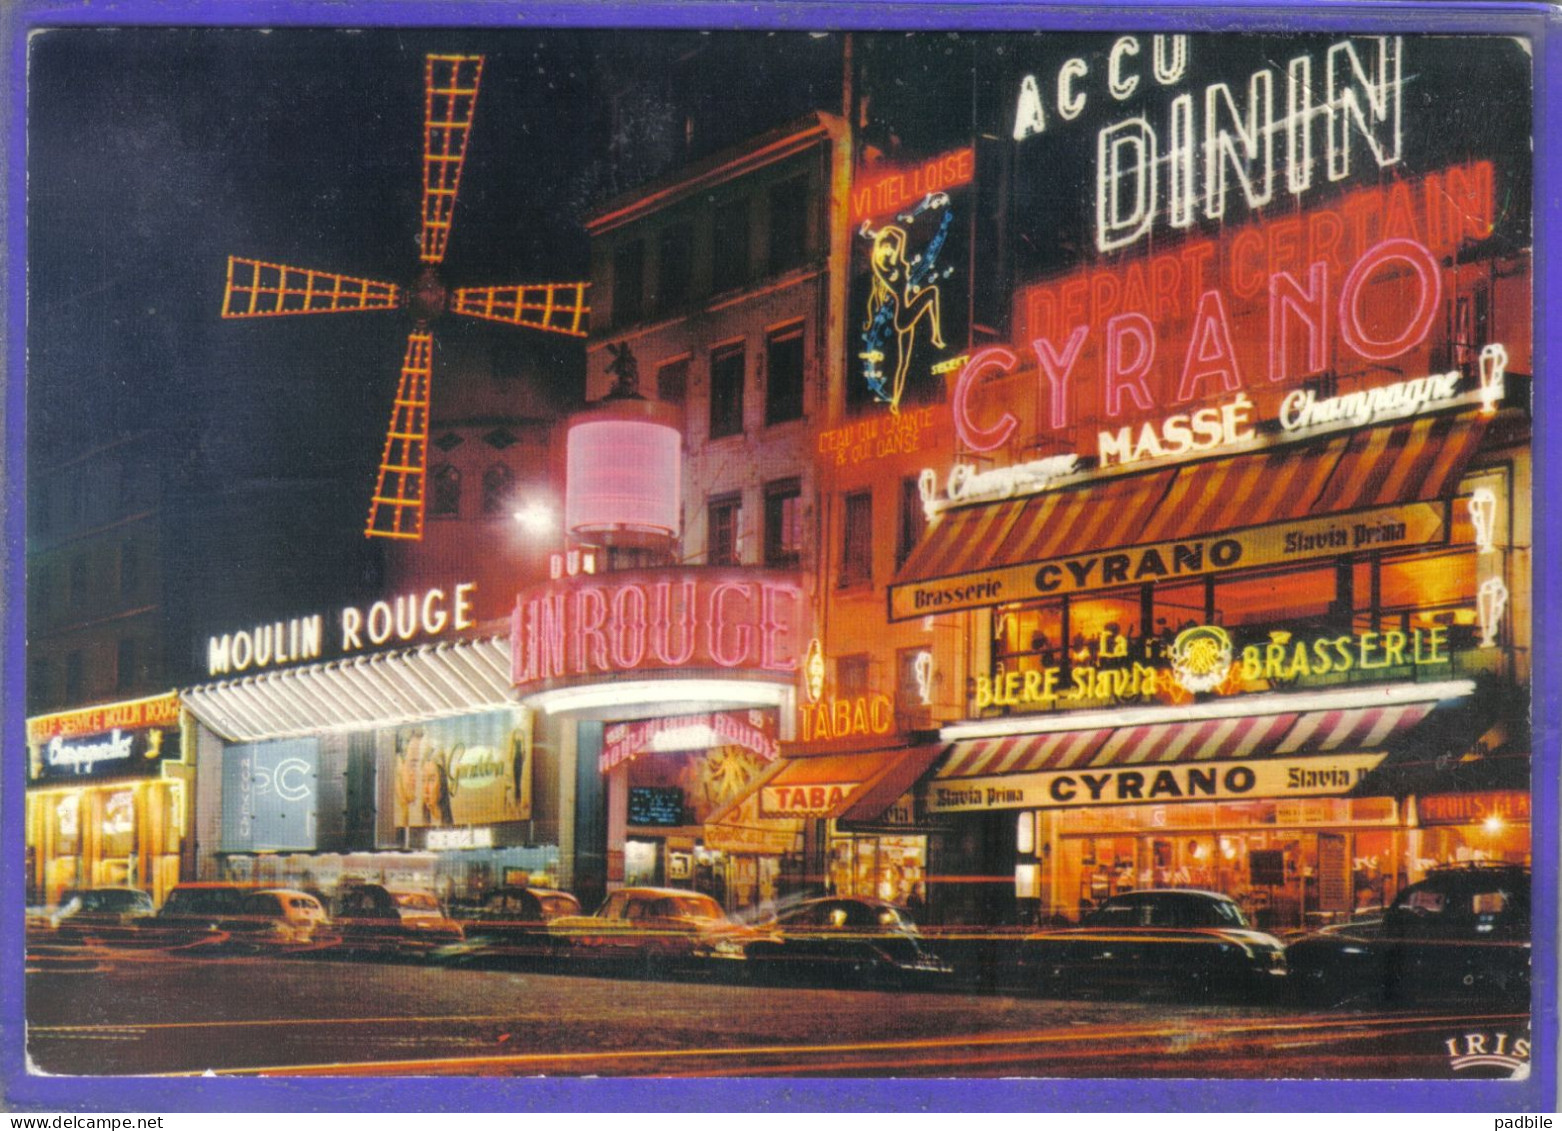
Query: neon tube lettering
point(971, 434)
point(1421, 261)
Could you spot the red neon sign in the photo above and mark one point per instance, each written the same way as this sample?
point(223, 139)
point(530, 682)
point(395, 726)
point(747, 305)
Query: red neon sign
point(1275, 302)
point(656, 619)
point(893, 191)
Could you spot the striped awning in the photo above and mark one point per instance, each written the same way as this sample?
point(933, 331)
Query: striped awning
point(427, 682)
point(1322, 731)
point(855, 786)
point(1409, 461)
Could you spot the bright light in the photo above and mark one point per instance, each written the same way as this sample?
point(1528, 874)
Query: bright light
point(718, 692)
point(1493, 824)
point(535, 518)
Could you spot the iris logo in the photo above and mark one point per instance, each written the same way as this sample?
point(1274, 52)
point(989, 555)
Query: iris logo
point(1489, 1051)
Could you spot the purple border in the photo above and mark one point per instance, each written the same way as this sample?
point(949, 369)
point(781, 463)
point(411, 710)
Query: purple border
point(23, 1092)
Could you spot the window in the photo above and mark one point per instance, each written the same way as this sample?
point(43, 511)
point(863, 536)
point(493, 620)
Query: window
point(675, 258)
point(726, 391)
point(672, 381)
point(913, 520)
point(129, 568)
point(628, 282)
point(857, 539)
point(445, 498)
point(729, 258)
point(125, 665)
point(851, 676)
point(75, 678)
point(721, 537)
point(788, 224)
point(497, 481)
point(784, 524)
point(784, 375)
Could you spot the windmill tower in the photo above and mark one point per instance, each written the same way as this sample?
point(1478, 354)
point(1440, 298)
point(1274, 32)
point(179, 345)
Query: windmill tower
point(258, 289)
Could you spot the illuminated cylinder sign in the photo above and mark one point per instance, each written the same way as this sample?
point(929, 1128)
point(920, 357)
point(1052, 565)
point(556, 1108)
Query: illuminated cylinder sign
point(623, 475)
point(657, 619)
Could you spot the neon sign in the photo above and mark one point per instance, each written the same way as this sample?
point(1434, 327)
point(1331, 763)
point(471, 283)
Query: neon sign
point(903, 296)
point(1361, 278)
point(738, 619)
point(1302, 409)
point(1216, 147)
point(1177, 435)
point(847, 718)
point(890, 192)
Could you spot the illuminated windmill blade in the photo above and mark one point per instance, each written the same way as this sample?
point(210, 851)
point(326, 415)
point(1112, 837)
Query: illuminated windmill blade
point(396, 511)
point(256, 289)
point(450, 97)
point(558, 308)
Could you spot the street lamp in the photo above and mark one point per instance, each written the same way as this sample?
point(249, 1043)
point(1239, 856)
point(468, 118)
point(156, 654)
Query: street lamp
point(534, 517)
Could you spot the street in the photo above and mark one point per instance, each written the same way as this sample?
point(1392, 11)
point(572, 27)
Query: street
point(150, 1012)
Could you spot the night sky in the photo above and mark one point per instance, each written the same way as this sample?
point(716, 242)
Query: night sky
point(154, 154)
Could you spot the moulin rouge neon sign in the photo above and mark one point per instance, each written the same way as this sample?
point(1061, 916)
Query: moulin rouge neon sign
point(1213, 146)
point(1361, 279)
point(656, 619)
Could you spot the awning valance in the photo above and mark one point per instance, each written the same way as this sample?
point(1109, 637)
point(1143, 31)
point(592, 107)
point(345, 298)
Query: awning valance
point(1325, 723)
point(857, 786)
point(427, 682)
point(1409, 461)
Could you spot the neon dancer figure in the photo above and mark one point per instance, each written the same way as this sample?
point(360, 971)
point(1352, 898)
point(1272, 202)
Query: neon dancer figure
point(902, 295)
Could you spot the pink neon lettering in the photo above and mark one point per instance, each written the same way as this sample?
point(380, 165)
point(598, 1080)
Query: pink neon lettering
point(1058, 370)
point(1311, 307)
point(1210, 353)
point(1124, 375)
point(629, 626)
point(590, 615)
point(1421, 261)
point(662, 624)
point(971, 434)
point(719, 625)
point(774, 629)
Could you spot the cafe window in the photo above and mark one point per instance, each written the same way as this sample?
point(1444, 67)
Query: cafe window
point(726, 391)
point(672, 381)
point(784, 375)
point(628, 282)
point(788, 224)
point(730, 252)
point(857, 538)
point(722, 530)
point(675, 258)
point(784, 524)
point(1277, 598)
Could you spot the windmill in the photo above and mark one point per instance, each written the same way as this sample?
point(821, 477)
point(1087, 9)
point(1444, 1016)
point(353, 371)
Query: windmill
point(257, 289)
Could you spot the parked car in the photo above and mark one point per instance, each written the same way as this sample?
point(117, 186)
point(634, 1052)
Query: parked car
point(105, 914)
point(1195, 942)
point(192, 914)
point(277, 916)
point(844, 940)
point(654, 930)
point(513, 923)
point(374, 919)
point(1461, 930)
